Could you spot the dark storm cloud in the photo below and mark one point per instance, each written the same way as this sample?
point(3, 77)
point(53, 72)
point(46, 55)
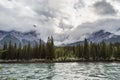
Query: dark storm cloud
point(104, 8)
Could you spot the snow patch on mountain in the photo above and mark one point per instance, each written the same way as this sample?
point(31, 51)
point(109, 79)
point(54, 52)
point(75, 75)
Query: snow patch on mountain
point(19, 37)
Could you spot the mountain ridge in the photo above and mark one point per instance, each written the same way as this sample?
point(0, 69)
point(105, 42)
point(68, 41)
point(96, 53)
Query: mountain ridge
point(99, 36)
point(19, 37)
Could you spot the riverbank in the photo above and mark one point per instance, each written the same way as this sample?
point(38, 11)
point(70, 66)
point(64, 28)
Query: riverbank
point(54, 61)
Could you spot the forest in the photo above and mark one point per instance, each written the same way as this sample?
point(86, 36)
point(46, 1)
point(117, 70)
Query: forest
point(88, 51)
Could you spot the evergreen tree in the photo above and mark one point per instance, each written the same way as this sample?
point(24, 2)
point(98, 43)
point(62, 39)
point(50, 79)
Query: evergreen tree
point(10, 51)
point(15, 51)
point(50, 49)
point(29, 51)
point(86, 49)
point(4, 54)
point(19, 52)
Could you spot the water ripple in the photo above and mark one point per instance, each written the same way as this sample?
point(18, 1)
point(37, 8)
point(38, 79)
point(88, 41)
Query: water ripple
point(61, 71)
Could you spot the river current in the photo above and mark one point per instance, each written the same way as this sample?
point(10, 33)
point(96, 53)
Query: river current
point(60, 71)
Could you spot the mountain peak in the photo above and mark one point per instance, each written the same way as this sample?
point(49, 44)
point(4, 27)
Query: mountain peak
point(31, 33)
point(101, 33)
point(98, 32)
point(99, 36)
point(17, 37)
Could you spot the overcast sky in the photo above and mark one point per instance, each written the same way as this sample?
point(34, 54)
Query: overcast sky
point(66, 20)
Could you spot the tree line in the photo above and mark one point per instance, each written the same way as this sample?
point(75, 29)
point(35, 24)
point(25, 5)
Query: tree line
point(92, 51)
point(86, 51)
point(28, 52)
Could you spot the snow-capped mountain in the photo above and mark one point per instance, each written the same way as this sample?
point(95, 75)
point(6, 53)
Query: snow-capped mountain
point(99, 36)
point(19, 37)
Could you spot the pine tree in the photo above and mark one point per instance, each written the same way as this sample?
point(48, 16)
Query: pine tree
point(50, 49)
point(10, 49)
point(4, 54)
point(86, 49)
point(19, 52)
point(29, 50)
point(15, 51)
point(43, 54)
point(103, 50)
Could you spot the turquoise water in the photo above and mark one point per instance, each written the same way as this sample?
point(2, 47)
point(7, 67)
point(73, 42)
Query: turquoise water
point(60, 71)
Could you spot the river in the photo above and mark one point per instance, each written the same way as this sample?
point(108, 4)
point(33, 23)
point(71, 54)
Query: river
point(60, 71)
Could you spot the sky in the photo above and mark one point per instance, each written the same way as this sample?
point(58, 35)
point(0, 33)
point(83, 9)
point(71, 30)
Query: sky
point(66, 20)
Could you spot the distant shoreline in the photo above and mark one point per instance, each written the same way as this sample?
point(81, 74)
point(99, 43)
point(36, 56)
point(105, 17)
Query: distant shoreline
point(50, 61)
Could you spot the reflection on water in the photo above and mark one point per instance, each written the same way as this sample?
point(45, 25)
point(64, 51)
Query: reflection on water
point(60, 71)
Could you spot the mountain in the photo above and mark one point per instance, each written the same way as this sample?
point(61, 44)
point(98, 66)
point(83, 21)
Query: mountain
point(19, 37)
point(99, 36)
